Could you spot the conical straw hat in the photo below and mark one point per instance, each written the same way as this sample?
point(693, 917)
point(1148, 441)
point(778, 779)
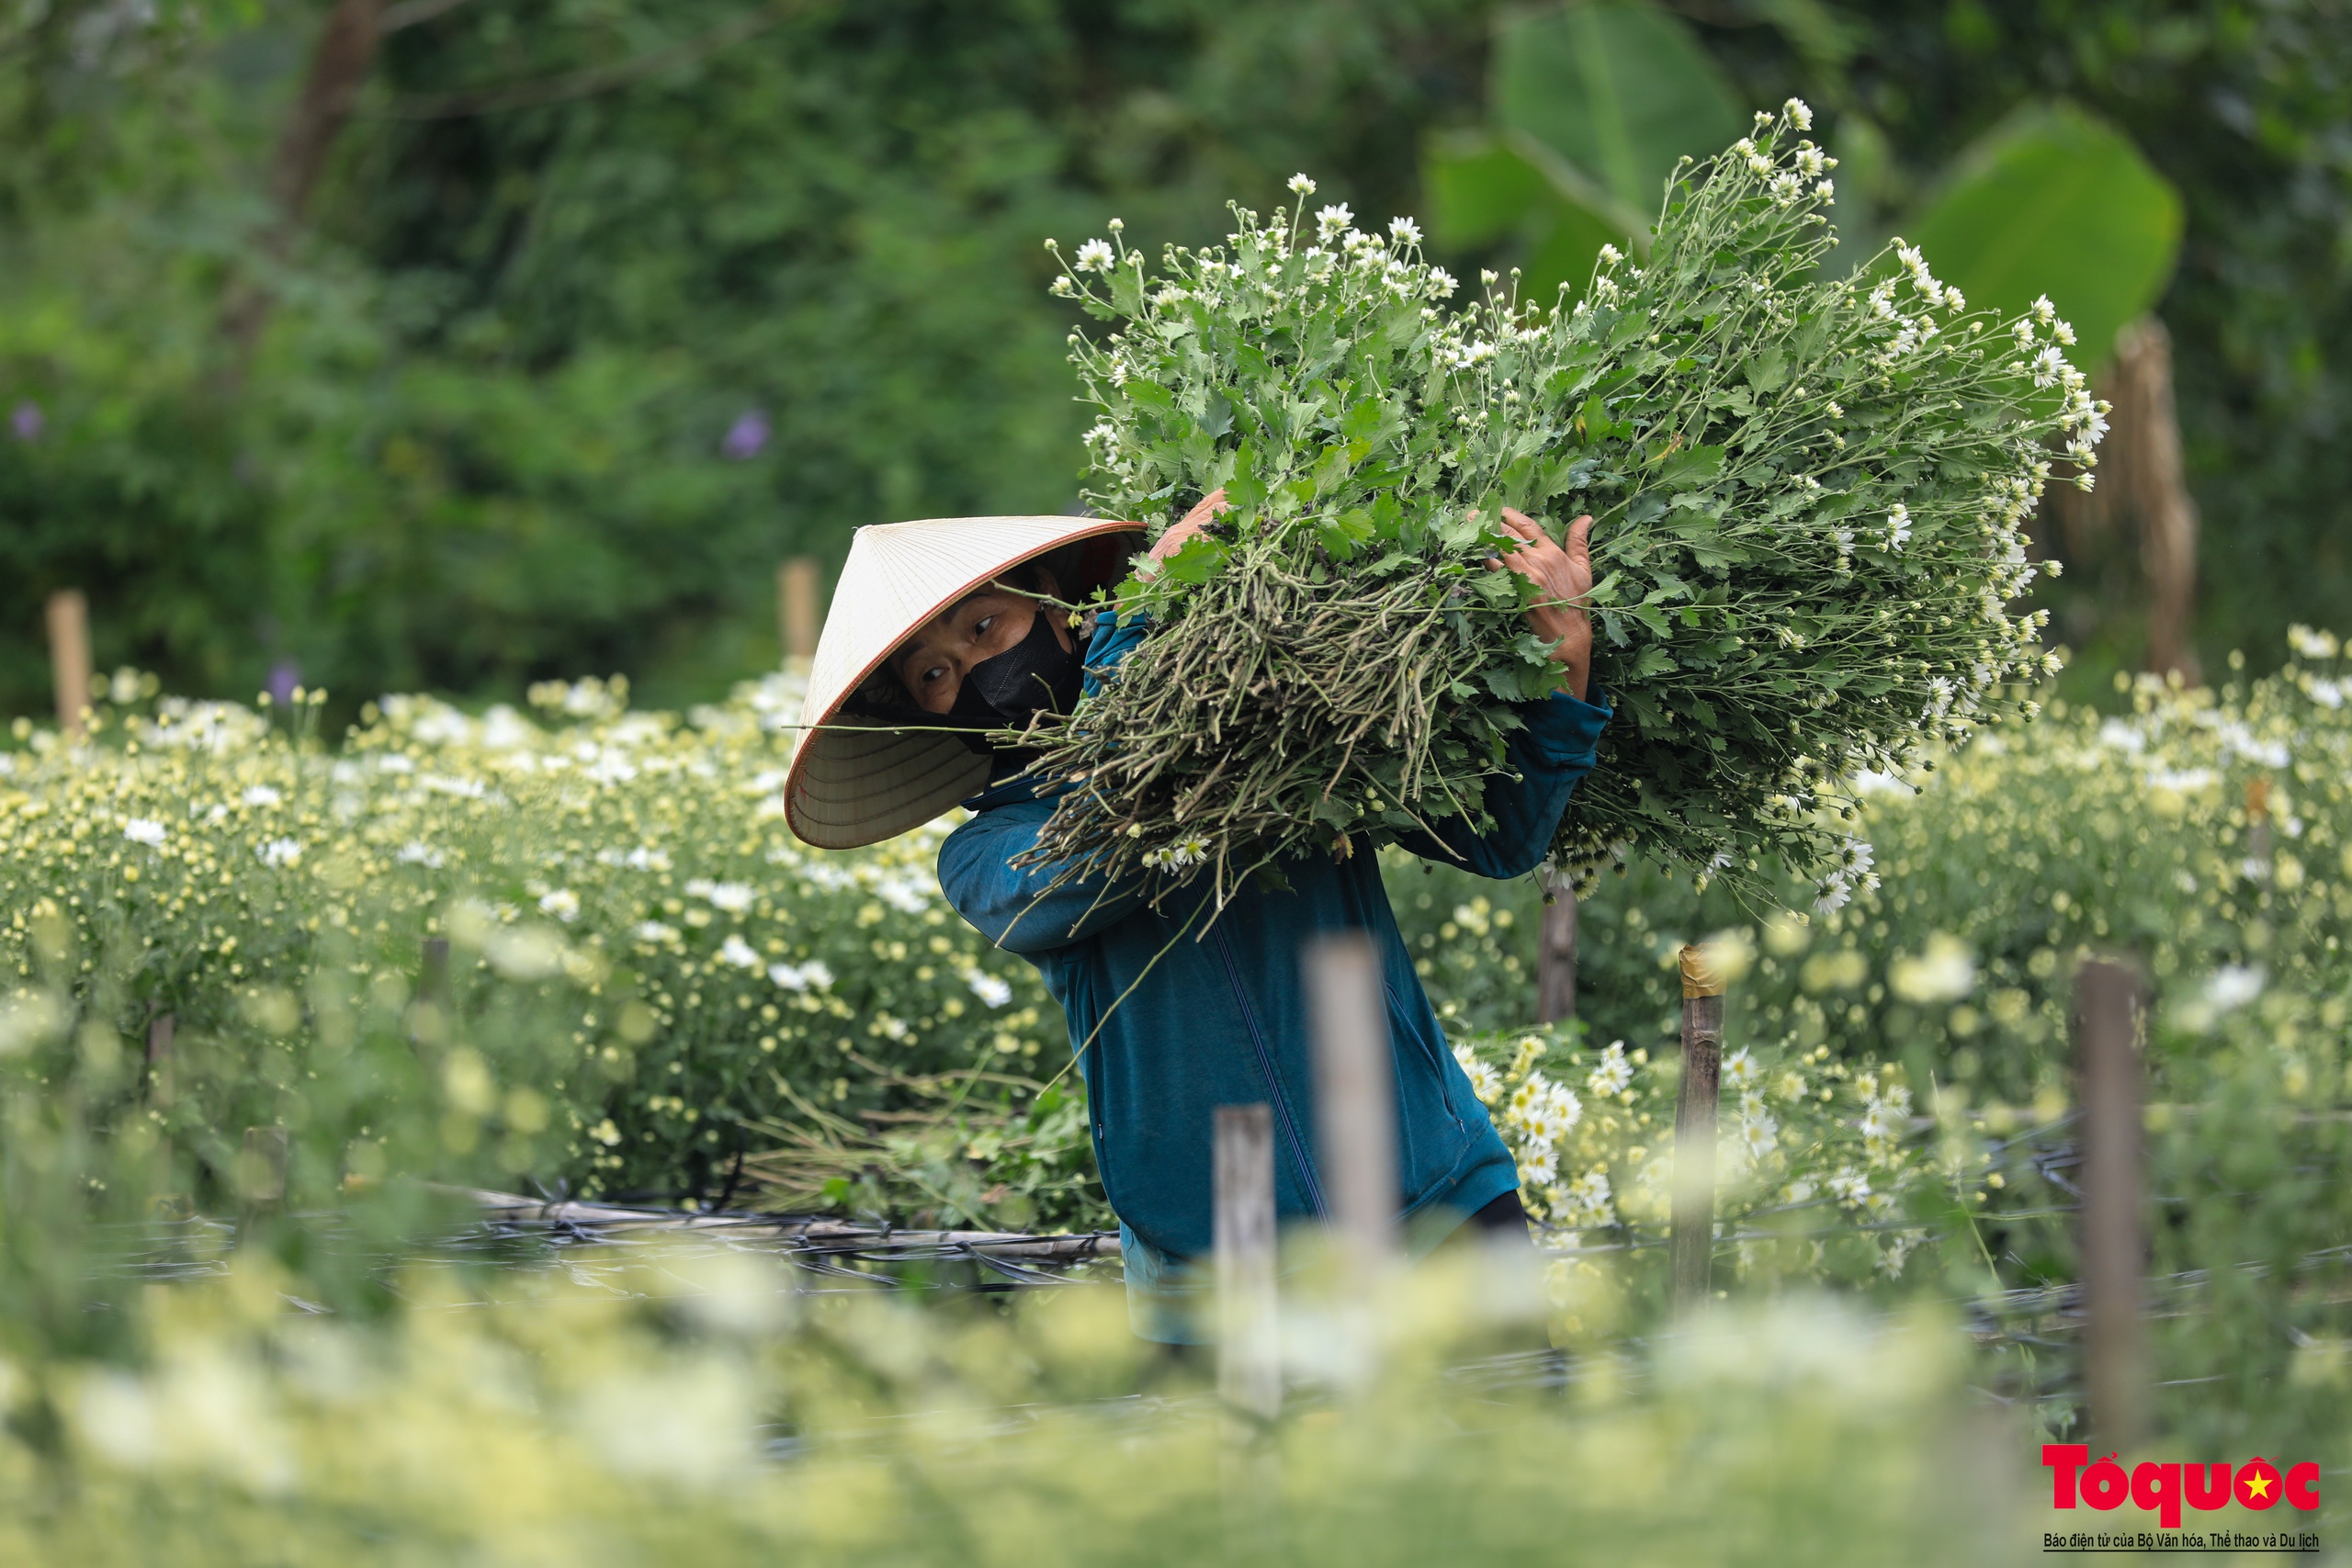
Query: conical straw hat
point(855, 782)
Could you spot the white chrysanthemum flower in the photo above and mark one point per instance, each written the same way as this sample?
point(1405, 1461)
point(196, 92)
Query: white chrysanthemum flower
point(2064, 331)
point(1612, 1075)
point(261, 795)
point(2312, 644)
point(1095, 255)
point(1585, 1201)
point(1825, 190)
point(145, 830)
point(739, 952)
point(280, 851)
point(1850, 1187)
point(2044, 312)
point(1855, 857)
point(1441, 283)
point(1333, 220)
point(564, 904)
point(734, 897)
point(1538, 1165)
point(2023, 331)
point(987, 987)
point(1186, 853)
point(1898, 526)
point(654, 932)
point(1301, 186)
point(1885, 1119)
point(812, 975)
point(1741, 1071)
point(2047, 365)
point(1800, 113)
point(1404, 231)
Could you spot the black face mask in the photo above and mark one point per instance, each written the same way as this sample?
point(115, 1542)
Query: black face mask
point(1035, 674)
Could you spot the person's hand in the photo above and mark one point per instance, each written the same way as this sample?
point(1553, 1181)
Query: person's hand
point(1212, 504)
point(1564, 577)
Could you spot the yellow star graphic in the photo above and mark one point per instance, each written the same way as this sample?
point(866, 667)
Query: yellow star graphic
point(2257, 1486)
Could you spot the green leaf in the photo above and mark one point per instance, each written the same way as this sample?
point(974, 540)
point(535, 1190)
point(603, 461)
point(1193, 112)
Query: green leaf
point(1691, 466)
point(1619, 90)
point(1477, 191)
point(2055, 201)
point(1196, 562)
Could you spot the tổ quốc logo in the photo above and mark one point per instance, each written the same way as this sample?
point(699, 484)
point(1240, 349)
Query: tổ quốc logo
point(2165, 1489)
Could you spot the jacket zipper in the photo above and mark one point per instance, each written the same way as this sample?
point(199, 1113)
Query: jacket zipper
point(1273, 1084)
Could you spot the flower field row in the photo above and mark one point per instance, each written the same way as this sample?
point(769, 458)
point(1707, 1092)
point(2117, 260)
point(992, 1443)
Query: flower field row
point(707, 995)
point(696, 981)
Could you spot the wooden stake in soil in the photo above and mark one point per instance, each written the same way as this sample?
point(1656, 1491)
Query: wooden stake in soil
point(1694, 1243)
point(2258, 827)
point(1355, 1096)
point(1249, 1362)
point(2106, 1001)
point(797, 614)
point(159, 1058)
point(432, 974)
point(69, 658)
point(261, 1167)
point(1555, 956)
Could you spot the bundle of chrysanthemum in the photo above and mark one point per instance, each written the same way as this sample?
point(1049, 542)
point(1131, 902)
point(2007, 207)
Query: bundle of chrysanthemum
point(1806, 492)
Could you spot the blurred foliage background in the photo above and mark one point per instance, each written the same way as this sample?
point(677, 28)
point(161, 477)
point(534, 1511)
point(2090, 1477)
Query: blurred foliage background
point(498, 340)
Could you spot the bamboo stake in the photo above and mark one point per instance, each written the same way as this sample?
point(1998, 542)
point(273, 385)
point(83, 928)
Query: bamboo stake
point(1555, 954)
point(1249, 1364)
point(159, 1058)
point(2258, 827)
point(1355, 1098)
point(69, 658)
point(1693, 1236)
point(797, 612)
point(261, 1170)
point(432, 974)
point(2106, 1000)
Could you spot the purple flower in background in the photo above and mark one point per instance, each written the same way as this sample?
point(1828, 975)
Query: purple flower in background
point(746, 437)
point(284, 676)
point(28, 420)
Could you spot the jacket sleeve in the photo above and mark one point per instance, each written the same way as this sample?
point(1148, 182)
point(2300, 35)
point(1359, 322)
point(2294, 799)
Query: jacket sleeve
point(1550, 754)
point(1010, 906)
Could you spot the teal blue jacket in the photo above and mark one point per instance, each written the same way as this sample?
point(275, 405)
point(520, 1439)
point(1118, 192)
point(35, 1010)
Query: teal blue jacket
point(1217, 1016)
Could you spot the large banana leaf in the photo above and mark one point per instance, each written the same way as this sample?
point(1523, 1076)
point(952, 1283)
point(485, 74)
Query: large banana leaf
point(1618, 89)
point(2055, 201)
point(1592, 104)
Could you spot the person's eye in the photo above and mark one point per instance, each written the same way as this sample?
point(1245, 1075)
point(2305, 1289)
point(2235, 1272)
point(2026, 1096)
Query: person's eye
point(934, 673)
point(981, 630)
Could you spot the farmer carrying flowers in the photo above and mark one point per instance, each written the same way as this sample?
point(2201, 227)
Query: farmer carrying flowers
point(943, 631)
